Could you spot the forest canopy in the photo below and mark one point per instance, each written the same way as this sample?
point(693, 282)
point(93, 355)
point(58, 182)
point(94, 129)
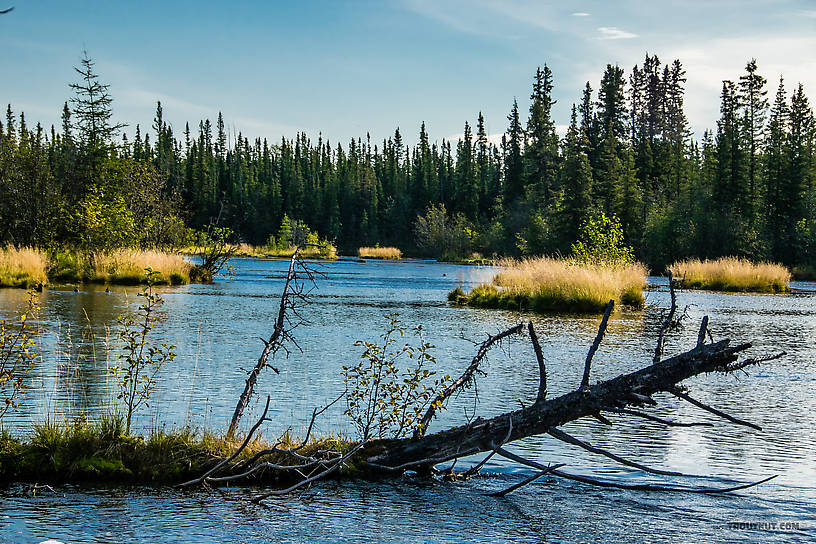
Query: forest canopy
point(746, 188)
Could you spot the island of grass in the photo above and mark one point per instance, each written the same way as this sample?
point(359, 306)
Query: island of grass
point(547, 285)
point(30, 267)
point(326, 252)
point(82, 451)
point(731, 274)
point(382, 253)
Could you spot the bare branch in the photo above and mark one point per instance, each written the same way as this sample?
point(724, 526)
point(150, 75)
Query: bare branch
point(279, 335)
point(476, 468)
point(657, 419)
point(314, 478)
point(463, 379)
point(701, 336)
point(596, 343)
point(542, 369)
point(529, 480)
point(661, 338)
point(638, 487)
point(236, 453)
point(677, 393)
point(569, 439)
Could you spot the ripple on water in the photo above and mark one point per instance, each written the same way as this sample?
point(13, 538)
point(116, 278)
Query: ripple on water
point(216, 328)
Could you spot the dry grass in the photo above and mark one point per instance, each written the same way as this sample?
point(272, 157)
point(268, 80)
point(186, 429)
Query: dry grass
point(127, 266)
point(385, 253)
point(260, 252)
point(732, 274)
point(548, 285)
point(24, 267)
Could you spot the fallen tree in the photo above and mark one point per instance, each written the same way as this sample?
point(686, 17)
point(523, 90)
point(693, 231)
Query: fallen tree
point(624, 395)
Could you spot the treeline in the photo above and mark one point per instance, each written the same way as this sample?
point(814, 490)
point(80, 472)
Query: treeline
point(745, 189)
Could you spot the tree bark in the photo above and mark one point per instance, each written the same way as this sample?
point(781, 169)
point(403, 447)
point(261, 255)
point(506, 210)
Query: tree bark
point(485, 435)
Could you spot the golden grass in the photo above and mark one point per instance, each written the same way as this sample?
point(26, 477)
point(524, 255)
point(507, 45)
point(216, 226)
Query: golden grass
point(24, 267)
point(260, 252)
point(731, 274)
point(385, 253)
point(547, 285)
point(127, 266)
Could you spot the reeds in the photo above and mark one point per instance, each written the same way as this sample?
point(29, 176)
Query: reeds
point(384, 253)
point(83, 450)
point(25, 267)
point(547, 285)
point(731, 274)
point(127, 266)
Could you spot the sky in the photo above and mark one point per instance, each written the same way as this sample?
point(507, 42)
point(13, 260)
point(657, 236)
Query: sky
point(343, 69)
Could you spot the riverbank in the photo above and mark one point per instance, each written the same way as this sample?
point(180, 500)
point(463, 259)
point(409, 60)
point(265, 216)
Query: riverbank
point(328, 253)
point(731, 274)
point(31, 267)
point(547, 285)
point(81, 451)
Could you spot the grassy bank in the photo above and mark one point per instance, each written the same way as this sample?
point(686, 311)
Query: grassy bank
point(120, 266)
point(101, 451)
point(384, 253)
point(547, 285)
point(731, 274)
point(26, 267)
point(262, 252)
point(32, 267)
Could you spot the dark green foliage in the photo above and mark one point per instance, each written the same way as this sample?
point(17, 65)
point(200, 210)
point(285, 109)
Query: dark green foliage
point(742, 190)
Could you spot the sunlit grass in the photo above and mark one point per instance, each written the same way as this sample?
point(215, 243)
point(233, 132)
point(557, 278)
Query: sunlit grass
point(548, 285)
point(24, 267)
point(127, 266)
point(328, 252)
point(84, 450)
point(385, 253)
point(731, 274)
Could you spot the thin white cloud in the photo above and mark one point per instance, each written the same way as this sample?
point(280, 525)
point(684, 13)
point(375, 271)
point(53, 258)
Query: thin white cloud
point(580, 14)
point(810, 14)
point(615, 33)
point(480, 17)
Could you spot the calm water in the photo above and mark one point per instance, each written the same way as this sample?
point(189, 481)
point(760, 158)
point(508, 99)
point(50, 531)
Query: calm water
point(216, 329)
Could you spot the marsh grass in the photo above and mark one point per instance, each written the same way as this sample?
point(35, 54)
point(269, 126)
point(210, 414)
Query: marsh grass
point(547, 285)
point(25, 267)
point(82, 450)
point(127, 267)
point(260, 252)
point(384, 253)
point(29, 267)
point(731, 274)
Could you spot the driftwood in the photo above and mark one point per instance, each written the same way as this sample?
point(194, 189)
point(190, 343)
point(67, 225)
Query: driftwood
point(421, 452)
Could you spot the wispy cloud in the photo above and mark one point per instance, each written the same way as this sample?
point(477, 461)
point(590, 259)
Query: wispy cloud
point(615, 33)
point(481, 16)
point(810, 14)
point(580, 14)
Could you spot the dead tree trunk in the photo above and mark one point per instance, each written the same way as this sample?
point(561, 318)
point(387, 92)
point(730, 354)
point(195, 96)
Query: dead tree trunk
point(421, 453)
point(275, 342)
point(484, 435)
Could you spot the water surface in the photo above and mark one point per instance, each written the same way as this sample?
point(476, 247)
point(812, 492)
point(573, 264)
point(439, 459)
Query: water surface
point(217, 330)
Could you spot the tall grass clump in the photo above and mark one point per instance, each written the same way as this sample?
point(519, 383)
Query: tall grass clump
point(731, 274)
point(385, 253)
point(25, 267)
point(548, 285)
point(127, 266)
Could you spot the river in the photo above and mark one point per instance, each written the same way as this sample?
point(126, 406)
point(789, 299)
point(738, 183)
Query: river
point(217, 329)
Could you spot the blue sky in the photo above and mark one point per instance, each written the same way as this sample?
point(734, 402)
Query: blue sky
point(344, 68)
